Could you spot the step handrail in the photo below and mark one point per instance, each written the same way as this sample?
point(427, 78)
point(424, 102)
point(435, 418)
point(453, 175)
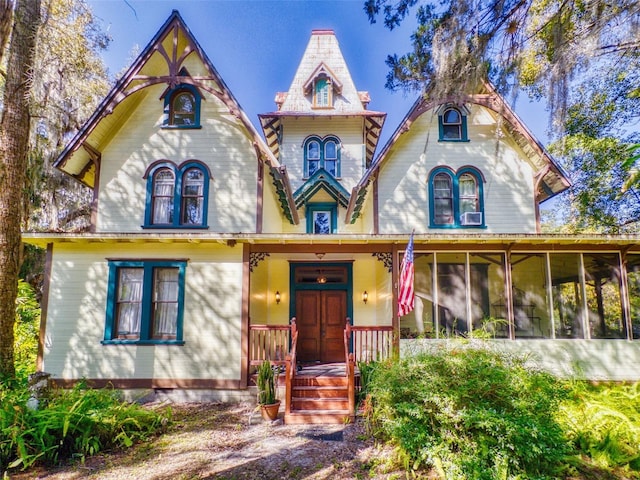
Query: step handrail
point(291, 366)
point(350, 369)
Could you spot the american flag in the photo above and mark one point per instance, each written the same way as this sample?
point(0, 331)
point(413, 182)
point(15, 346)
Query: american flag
point(405, 288)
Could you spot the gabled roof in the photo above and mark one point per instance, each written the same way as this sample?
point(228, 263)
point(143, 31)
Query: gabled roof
point(550, 177)
point(161, 62)
point(321, 179)
point(322, 57)
point(322, 70)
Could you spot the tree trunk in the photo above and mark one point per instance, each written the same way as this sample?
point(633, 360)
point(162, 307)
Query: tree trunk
point(14, 142)
point(6, 11)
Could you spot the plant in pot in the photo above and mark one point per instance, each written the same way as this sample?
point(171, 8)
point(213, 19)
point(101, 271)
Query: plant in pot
point(267, 391)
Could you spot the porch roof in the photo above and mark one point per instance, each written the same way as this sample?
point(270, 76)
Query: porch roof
point(428, 241)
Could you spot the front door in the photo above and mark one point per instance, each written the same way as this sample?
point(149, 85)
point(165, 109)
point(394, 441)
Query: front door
point(321, 316)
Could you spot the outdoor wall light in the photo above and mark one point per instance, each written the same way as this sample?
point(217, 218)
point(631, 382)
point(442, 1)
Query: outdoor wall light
point(365, 296)
point(277, 297)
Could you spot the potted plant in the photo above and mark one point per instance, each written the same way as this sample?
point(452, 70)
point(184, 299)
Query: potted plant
point(267, 391)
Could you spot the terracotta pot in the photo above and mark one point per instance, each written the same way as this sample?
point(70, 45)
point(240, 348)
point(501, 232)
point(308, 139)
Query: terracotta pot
point(270, 412)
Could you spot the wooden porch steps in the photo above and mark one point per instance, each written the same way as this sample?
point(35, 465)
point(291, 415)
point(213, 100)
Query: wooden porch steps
point(319, 400)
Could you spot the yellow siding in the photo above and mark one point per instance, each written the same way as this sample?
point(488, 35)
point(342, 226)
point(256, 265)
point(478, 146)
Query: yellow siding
point(222, 144)
point(370, 274)
point(508, 191)
point(212, 316)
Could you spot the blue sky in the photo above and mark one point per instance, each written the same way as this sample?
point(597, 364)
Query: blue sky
point(256, 47)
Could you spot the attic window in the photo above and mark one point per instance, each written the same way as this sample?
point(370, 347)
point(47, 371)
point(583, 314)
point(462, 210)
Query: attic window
point(182, 107)
point(453, 124)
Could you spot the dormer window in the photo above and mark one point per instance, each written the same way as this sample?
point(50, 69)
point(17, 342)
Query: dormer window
point(452, 121)
point(182, 107)
point(321, 86)
point(322, 93)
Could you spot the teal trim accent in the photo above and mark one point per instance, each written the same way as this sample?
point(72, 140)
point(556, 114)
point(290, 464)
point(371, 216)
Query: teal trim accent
point(168, 99)
point(178, 172)
point(321, 179)
point(348, 285)
point(455, 177)
point(464, 137)
point(332, 208)
point(322, 160)
point(146, 324)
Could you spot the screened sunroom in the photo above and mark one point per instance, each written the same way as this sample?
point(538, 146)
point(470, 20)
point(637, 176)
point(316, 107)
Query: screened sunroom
point(525, 293)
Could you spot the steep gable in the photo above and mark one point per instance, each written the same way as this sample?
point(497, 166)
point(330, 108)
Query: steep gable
point(549, 177)
point(322, 57)
point(322, 61)
point(163, 61)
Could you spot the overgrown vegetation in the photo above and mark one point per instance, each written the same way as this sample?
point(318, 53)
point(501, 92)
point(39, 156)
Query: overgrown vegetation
point(69, 424)
point(26, 330)
point(63, 424)
point(470, 413)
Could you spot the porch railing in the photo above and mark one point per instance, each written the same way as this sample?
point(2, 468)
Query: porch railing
point(291, 367)
point(370, 343)
point(269, 342)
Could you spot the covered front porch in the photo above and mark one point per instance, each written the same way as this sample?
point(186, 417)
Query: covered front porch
point(318, 392)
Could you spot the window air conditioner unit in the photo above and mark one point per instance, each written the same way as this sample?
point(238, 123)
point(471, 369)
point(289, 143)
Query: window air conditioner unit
point(471, 218)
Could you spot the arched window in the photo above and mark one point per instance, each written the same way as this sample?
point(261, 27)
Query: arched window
point(322, 153)
point(192, 196)
point(467, 193)
point(164, 182)
point(443, 199)
point(313, 156)
point(453, 125)
point(456, 198)
point(182, 107)
point(177, 196)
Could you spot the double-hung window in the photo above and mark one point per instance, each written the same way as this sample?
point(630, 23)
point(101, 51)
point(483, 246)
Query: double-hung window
point(177, 196)
point(456, 198)
point(322, 153)
point(452, 123)
point(145, 301)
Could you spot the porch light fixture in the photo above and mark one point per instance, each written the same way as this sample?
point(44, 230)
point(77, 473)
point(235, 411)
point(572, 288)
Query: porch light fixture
point(321, 279)
point(365, 296)
point(277, 297)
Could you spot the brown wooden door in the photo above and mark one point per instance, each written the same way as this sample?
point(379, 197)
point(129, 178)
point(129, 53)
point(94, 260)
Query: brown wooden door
point(321, 316)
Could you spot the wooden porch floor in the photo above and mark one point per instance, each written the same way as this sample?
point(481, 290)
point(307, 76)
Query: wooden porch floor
point(322, 370)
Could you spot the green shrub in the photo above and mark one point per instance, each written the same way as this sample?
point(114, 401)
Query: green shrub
point(470, 414)
point(26, 330)
point(603, 423)
point(71, 423)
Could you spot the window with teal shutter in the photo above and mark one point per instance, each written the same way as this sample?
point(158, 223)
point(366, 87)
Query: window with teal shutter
point(322, 93)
